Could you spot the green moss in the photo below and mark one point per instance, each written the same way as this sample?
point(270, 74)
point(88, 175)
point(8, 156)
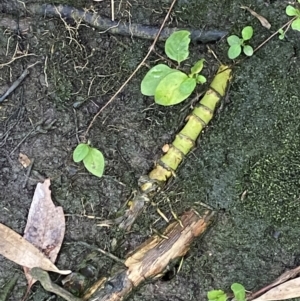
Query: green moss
point(273, 186)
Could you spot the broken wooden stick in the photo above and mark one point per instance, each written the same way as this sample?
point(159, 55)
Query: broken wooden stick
point(149, 261)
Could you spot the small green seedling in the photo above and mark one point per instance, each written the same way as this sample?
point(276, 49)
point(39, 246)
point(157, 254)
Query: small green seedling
point(216, 295)
point(92, 158)
point(281, 34)
point(238, 44)
point(294, 12)
point(170, 86)
point(239, 293)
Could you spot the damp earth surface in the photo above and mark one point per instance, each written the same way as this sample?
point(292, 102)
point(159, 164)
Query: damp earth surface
point(246, 164)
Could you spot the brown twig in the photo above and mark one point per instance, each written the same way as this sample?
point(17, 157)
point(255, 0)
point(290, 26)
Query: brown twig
point(17, 82)
point(275, 33)
point(133, 73)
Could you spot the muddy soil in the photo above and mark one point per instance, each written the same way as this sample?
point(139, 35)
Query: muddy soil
point(246, 164)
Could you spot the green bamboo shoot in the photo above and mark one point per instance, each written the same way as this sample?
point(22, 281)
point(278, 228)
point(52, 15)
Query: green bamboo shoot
point(184, 141)
point(196, 122)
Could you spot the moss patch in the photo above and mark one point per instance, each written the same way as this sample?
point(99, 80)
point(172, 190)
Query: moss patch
point(274, 190)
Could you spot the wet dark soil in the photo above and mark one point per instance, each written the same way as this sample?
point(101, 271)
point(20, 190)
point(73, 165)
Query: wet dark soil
point(246, 164)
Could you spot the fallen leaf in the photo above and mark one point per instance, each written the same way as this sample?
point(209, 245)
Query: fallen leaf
point(45, 227)
point(287, 290)
point(17, 249)
point(24, 160)
point(264, 22)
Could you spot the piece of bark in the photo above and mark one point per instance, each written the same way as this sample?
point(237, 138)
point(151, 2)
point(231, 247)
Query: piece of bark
point(152, 258)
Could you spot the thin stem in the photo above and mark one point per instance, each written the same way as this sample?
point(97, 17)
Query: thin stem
point(275, 33)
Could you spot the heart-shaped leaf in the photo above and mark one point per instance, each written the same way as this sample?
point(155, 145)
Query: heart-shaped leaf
point(94, 162)
point(177, 45)
point(80, 152)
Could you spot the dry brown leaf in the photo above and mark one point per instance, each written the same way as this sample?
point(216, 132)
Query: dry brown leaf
point(45, 227)
point(24, 160)
point(264, 22)
point(287, 290)
point(17, 249)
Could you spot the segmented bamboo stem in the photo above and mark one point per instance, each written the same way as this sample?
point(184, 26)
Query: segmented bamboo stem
point(184, 141)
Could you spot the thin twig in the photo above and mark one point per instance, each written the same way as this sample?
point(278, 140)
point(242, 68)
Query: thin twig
point(134, 72)
point(17, 82)
point(14, 85)
point(272, 35)
point(109, 255)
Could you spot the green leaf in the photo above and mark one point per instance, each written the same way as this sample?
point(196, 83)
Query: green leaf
point(153, 77)
point(94, 162)
point(296, 24)
point(177, 45)
point(234, 40)
point(281, 33)
point(80, 152)
point(234, 51)
point(174, 88)
point(247, 33)
point(238, 291)
point(291, 11)
point(201, 79)
point(216, 295)
point(248, 50)
point(197, 67)
point(222, 298)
